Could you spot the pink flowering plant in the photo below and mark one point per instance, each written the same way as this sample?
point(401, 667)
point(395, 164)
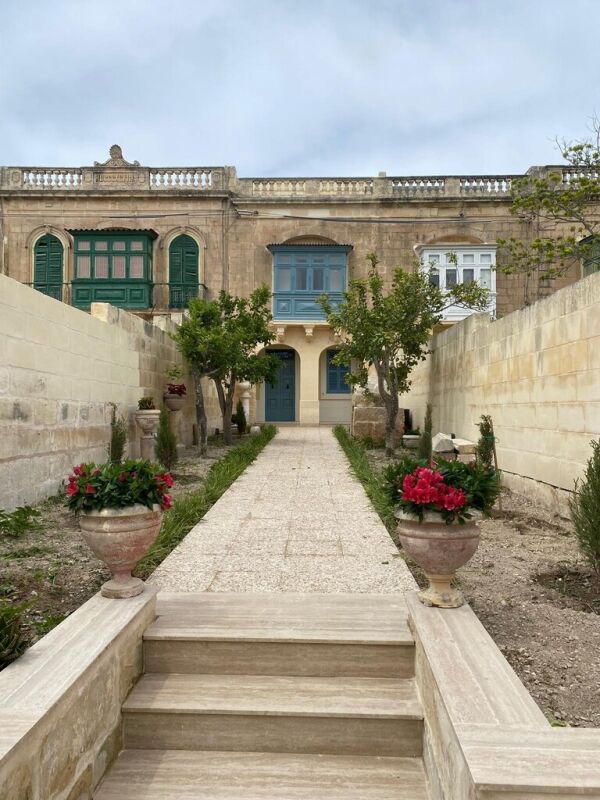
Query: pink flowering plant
point(425, 489)
point(92, 487)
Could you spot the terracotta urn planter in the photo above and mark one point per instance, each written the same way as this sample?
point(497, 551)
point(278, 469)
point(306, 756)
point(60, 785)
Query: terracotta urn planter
point(440, 550)
point(120, 537)
point(174, 402)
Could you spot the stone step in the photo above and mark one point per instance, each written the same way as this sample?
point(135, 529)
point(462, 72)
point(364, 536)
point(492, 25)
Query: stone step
point(281, 634)
point(180, 775)
point(350, 716)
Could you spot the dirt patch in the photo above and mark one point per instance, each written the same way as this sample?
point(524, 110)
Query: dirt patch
point(53, 570)
point(536, 597)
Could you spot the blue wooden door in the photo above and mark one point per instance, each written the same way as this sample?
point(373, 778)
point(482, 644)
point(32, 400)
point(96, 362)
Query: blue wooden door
point(280, 399)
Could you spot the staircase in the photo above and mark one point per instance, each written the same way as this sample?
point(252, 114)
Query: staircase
point(273, 697)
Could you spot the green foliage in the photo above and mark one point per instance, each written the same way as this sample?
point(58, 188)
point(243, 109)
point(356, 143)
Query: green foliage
point(373, 485)
point(173, 373)
point(146, 404)
point(480, 484)
point(424, 449)
point(394, 474)
point(239, 418)
point(221, 340)
point(93, 487)
point(13, 639)
point(485, 445)
point(541, 200)
point(166, 442)
point(118, 436)
point(390, 331)
point(19, 521)
point(188, 510)
point(585, 510)
point(46, 624)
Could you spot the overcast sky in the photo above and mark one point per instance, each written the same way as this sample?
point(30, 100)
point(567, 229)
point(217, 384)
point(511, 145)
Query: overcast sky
point(298, 87)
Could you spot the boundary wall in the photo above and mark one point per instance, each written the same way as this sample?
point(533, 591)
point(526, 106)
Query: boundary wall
point(60, 370)
point(537, 373)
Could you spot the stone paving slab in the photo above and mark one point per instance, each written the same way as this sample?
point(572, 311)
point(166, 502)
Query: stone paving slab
point(296, 521)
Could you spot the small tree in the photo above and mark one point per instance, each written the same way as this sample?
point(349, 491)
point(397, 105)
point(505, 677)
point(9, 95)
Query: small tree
point(220, 340)
point(166, 442)
point(560, 220)
point(585, 510)
point(390, 331)
point(424, 450)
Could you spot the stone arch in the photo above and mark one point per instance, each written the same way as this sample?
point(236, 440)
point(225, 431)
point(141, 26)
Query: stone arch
point(63, 237)
point(452, 238)
point(310, 238)
point(261, 388)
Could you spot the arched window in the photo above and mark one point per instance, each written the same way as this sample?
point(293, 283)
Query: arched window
point(183, 271)
point(48, 266)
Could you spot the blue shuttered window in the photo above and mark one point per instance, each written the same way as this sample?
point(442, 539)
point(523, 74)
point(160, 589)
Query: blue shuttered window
point(336, 375)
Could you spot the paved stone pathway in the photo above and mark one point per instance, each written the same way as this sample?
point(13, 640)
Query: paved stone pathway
point(296, 521)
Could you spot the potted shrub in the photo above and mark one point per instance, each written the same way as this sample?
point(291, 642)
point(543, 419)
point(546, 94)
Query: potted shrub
point(174, 396)
point(175, 392)
point(439, 510)
point(120, 508)
point(147, 416)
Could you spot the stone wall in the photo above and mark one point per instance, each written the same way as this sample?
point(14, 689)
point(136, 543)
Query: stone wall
point(60, 370)
point(537, 372)
point(60, 703)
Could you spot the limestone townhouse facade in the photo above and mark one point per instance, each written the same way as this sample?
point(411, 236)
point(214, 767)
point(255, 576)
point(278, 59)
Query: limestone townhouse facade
point(148, 239)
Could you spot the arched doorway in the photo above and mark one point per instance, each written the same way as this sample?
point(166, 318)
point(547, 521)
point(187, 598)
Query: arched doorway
point(183, 271)
point(280, 397)
point(48, 259)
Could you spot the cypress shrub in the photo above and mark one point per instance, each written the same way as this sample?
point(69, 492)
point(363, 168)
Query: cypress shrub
point(424, 449)
point(166, 442)
point(585, 510)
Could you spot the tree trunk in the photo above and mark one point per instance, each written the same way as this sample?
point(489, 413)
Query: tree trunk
point(200, 412)
point(228, 408)
point(389, 395)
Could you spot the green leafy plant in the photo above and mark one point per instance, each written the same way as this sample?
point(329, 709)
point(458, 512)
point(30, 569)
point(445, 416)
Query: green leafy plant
point(585, 510)
point(239, 418)
point(188, 510)
point(485, 444)
point(166, 442)
point(424, 449)
point(118, 436)
point(560, 226)
point(13, 638)
point(93, 487)
point(173, 373)
point(480, 484)
point(389, 331)
point(146, 404)
point(19, 521)
point(221, 340)
point(394, 474)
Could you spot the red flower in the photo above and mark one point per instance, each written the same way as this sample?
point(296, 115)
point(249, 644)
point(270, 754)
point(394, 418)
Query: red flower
point(72, 489)
point(89, 489)
point(123, 476)
point(166, 478)
point(167, 502)
point(80, 470)
point(72, 478)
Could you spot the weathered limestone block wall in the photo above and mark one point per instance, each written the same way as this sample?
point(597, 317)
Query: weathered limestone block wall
point(537, 372)
point(60, 369)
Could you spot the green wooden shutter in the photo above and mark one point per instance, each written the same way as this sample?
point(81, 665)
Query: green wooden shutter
point(48, 266)
point(183, 271)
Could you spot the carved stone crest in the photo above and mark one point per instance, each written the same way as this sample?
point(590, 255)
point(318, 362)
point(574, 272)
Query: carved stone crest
point(116, 159)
